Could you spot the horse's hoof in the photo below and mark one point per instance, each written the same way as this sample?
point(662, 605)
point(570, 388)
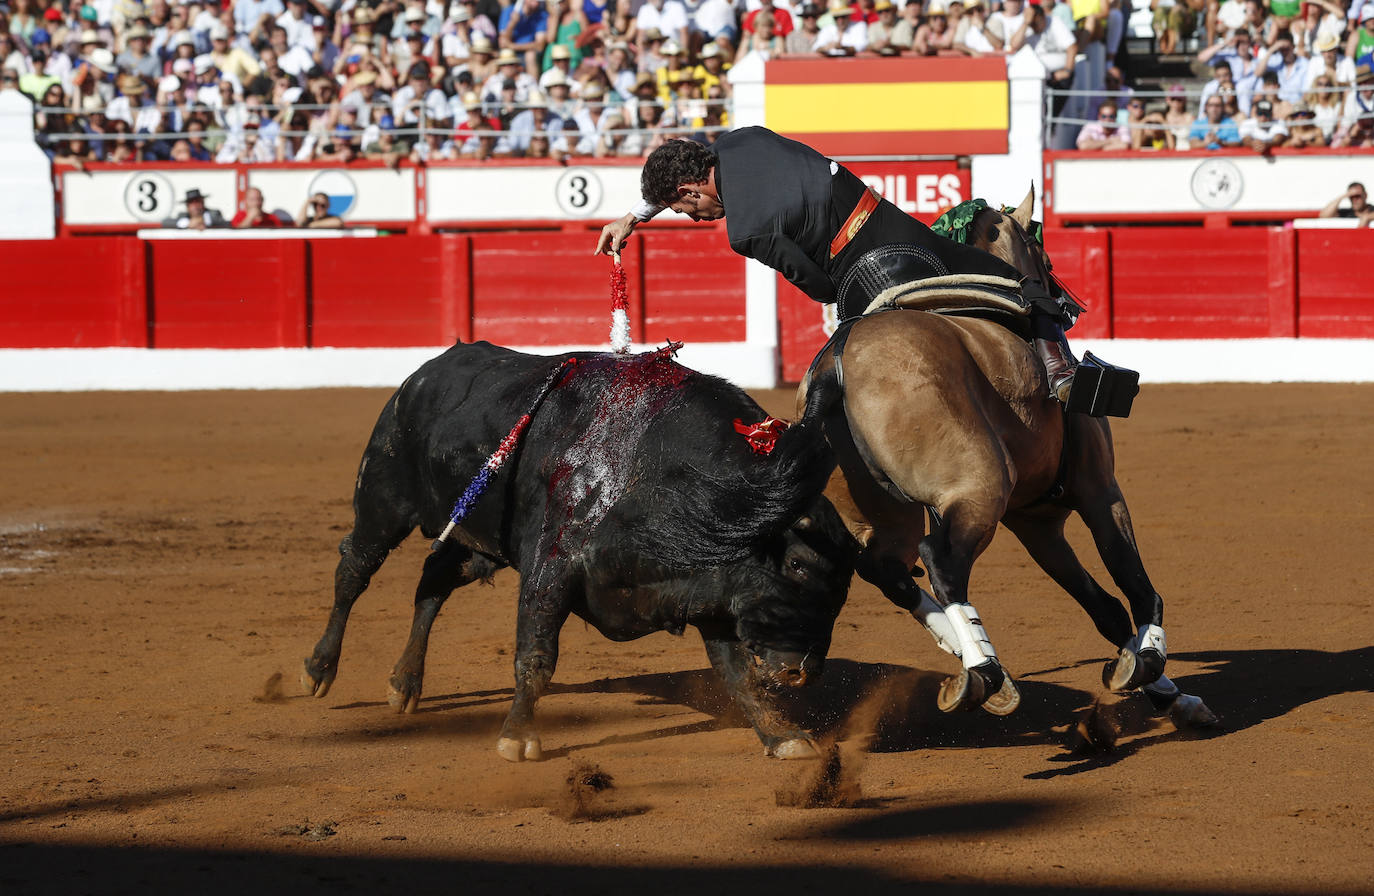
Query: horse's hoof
point(1190, 712)
point(1006, 700)
point(514, 750)
point(971, 687)
point(794, 748)
point(316, 686)
point(1131, 670)
point(401, 701)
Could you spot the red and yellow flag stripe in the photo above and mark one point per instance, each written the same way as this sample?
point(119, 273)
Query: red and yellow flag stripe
point(890, 106)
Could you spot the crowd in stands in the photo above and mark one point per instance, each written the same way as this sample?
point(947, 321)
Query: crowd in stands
point(336, 80)
point(1282, 73)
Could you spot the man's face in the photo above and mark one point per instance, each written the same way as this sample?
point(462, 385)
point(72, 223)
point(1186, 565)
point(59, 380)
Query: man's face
point(1359, 199)
point(697, 205)
point(1213, 109)
point(195, 207)
point(253, 198)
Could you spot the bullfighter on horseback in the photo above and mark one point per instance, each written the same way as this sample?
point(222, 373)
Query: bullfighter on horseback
point(835, 239)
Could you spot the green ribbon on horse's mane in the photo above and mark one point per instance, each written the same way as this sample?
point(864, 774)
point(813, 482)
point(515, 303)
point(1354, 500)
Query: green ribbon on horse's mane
point(954, 224)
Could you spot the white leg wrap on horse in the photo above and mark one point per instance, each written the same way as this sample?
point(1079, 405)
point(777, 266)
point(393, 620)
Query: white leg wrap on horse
point(932, 616)
point(974, 646)
point(1151, 637)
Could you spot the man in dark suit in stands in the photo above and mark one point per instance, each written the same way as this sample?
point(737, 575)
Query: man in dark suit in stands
point(196, 216)
point(815, 222)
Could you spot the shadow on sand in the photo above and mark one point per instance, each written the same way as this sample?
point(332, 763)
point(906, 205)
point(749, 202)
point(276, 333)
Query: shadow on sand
point(894, 705)
point(39, 870)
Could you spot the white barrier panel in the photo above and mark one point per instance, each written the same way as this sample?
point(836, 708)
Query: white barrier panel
point(377, 195)
point(1162, 184)
point(530, 193)
point(26, 192)
point(1159, 361)
point(143, 195)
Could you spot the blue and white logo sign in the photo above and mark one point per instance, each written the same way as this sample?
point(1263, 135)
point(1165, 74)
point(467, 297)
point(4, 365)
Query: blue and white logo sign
point(339, 187)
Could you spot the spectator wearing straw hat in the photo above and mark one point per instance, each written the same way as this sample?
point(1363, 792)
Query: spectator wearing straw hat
point(880, 33)
point(92, 89)
point(195, 216)
point(509, 67)
point(232, 61)
point(455, 40)
point(667, 76)
point(1327, 59)
point(135, 58)
point(713, 69)
point(560, 58)
point(845, 35)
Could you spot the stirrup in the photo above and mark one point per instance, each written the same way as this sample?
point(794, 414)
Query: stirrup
point(1061, 390)
point(1100, 389)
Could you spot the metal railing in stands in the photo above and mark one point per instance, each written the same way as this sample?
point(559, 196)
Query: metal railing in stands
point(228, 123)
point(1090, 100)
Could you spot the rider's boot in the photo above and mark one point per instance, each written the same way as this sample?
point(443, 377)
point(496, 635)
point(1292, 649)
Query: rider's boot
point(1053, 348)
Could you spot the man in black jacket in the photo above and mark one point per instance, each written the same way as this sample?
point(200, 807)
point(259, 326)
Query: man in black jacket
point(815, 222)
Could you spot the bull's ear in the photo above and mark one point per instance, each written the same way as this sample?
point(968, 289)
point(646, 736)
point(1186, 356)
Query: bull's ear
point(1022, 215)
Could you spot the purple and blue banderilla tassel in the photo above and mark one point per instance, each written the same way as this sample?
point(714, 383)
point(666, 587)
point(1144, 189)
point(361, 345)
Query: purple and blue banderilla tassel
point(479, 483)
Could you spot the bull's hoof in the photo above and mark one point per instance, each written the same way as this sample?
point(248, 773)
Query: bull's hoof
point(1131, 670)
point(515, 750)
point(1006, 700)
point(794, 748)
point(401, 700)
point(971, 687)
point(1188, 711)
point(316, 681)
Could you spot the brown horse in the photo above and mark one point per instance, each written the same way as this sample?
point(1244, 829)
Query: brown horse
point(943, 426)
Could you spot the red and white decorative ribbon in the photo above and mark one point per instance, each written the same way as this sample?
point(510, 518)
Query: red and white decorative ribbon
point(620, 309)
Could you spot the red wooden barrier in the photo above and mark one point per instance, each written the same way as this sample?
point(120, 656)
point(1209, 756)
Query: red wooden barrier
point(546, 288)
point(228, 293)
point(73, 293)
point(539, 288)
point(394, 292)
point(1190, 283)
point(693, 286)
point(1081, 260)
point(1334, 293)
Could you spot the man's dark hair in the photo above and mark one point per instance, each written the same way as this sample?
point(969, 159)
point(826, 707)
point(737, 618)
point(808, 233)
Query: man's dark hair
point(674, 163)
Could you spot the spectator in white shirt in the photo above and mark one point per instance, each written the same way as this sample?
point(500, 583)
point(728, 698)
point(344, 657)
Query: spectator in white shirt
point(668, 17)
point(846, 34)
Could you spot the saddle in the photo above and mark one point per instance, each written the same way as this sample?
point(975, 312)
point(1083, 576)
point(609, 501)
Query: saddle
point(964, 295)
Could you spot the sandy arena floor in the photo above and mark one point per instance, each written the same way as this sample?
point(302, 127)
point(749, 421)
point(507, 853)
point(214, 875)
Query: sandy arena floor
point(166, 563)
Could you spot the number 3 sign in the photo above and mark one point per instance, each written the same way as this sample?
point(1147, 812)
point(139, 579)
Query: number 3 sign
point(579, 192)
point(148, 196)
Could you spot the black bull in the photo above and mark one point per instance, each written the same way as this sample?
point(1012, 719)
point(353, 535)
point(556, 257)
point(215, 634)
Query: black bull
point(631, 501)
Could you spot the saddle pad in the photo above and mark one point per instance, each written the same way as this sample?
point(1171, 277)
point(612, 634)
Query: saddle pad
point(955, 294)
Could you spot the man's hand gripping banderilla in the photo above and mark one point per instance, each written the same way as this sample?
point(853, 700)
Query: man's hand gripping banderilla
point(614, 236)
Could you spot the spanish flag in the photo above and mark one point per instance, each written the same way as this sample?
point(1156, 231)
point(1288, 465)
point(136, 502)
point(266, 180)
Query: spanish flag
point(895, 106)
